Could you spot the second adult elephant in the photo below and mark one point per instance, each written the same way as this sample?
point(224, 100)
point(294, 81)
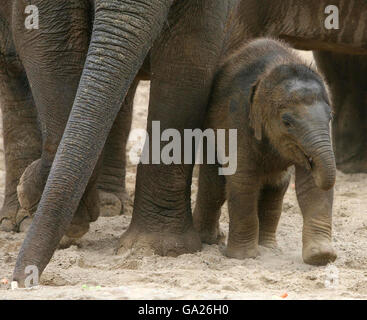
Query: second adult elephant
point(346, 75)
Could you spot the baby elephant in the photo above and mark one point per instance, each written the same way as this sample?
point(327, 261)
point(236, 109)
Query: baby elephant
point(282, 114)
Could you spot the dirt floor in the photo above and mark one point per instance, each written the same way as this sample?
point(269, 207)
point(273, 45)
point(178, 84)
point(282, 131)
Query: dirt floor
point(91, 270)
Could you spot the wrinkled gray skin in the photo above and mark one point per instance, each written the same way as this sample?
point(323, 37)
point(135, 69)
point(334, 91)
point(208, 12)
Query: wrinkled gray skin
point(22, 134)
point(281, 111)
point(183, 60)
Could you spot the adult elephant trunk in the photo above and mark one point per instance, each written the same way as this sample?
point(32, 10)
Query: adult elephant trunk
point(123, 33)
point(319, 150)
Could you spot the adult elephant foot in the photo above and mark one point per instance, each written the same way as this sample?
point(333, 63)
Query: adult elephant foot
point(13, 216)
point(16, 216)
point(30, 188)
point(161, 243)
point(113, 204)
point(8, 216)
point(318, 253)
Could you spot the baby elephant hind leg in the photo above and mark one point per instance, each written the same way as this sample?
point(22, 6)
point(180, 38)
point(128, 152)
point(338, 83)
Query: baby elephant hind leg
point(316, 206)
point(243, 219)
point(270, 209)
point(210, 198)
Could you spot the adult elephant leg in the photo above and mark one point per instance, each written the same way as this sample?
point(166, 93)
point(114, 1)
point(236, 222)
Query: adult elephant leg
point(269, 212)
point(346, 76)
point(316, 207)
point(22, 139)
point(111, 182)
point(53, 57)
point(209, 201)
point(123, 33)
point(183, 61)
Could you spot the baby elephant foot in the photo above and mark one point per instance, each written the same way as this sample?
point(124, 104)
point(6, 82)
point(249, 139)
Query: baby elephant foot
point(87, 212)
point(74, 233)
point(241, 252)
point(206, 223)
point(110, 204)
point(67, 242)
point(213, 236)
point(318, 253)
point(268, 240)
point(164, 244)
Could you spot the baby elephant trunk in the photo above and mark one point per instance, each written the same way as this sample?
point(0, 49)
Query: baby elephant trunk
point(321, 159)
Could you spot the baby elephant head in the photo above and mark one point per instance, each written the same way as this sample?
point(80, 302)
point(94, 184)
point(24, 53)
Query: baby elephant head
point(290, 106)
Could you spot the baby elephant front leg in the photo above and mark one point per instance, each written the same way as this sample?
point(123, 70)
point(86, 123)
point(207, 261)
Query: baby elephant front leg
point(244, 222)
point(316, 206)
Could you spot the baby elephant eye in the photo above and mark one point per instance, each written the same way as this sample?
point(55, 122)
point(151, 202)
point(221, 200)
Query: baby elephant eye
point(287, 121)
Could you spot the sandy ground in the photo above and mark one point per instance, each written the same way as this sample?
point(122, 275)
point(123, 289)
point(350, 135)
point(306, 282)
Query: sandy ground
point(91, 270)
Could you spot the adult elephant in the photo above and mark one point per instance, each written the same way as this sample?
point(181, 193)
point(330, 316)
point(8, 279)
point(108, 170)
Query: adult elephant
point(183, 61)
point(123, 32)
point(22, 130)
point(346, 75)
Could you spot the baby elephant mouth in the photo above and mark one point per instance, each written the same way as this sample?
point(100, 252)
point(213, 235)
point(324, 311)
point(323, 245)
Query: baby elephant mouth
point(309, 162)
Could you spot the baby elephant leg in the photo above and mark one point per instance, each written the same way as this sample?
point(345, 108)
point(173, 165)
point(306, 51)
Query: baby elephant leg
point(270, 209)
point(210, 198)
point(316, 206)
point(243, 219)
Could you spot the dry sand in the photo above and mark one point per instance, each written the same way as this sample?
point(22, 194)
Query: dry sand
point(91, 270)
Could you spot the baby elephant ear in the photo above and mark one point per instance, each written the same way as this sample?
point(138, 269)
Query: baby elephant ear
point(255, 114)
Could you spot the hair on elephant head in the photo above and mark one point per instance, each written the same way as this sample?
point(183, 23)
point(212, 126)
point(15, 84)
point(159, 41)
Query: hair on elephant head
point(296, 117)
